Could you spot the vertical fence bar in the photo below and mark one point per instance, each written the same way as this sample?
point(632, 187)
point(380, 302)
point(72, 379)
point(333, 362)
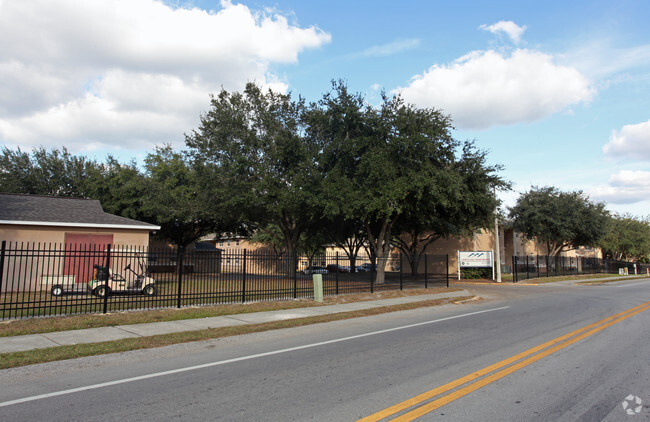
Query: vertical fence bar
point(3, 250)
point(243, 285)
point(337, 272)
point(179, 262)
point(372, 274)
point(294, 270)
point(537, 264)
point(514, 269)
point(108, 277)
point(527, 269)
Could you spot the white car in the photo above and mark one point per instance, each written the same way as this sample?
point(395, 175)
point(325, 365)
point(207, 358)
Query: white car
point(315, 270)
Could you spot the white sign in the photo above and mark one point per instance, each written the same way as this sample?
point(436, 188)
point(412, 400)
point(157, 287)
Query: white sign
point(475, 259)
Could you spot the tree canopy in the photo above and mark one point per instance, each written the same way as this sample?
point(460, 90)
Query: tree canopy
point(174, 198)
point(397, 168)
point(338, 171)
point(627, 239)
point(561, 220)
point(42, 172)
point(257, 161)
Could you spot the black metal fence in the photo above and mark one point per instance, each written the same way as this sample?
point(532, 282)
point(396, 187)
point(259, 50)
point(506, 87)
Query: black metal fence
point(45, 280)
point(537, 266)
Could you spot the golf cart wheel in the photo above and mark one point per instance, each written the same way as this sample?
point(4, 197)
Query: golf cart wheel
point(149, 290)
point(102, 291)
point(57, 290)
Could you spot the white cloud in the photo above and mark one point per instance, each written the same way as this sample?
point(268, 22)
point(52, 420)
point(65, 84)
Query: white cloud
point(511, 29)
point(114, 73)
point(632, 141)
point(625, 187)
point(488, 88)
point(389, 49)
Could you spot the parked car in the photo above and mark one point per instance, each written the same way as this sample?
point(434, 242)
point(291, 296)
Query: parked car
point(369, 267)
point(332, 268)
point(315, 270)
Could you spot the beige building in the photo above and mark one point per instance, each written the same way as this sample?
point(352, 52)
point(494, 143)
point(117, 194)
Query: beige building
point(511, 243)
point(67, 228)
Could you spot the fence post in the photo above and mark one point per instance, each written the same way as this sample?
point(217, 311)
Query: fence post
point(243, 288)
point(2, 263)
point(514, 269)
point(537, 264)
point(426, 283)
point(337, 272)
point(179, 262)
point(108, 277)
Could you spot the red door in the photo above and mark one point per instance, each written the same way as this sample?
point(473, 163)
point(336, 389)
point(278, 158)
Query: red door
point(82, 252)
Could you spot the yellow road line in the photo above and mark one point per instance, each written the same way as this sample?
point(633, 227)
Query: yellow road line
point(558, 343)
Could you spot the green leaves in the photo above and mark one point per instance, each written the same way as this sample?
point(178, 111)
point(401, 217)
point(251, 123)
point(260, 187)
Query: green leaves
point(627, 238)
point(336, 169)
point(54, 172)
point(254, 145)
point(562, 220)
point(174, 197)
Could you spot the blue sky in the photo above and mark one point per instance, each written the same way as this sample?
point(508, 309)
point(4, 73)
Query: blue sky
point(557, 92)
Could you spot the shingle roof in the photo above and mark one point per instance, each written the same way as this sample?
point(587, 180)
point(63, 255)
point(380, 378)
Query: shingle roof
point(61, 211)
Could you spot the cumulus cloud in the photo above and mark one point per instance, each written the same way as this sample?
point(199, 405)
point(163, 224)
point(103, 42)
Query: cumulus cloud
point(625, 187)
point(488, 88)
point(107, 72)
point(511, 29)
point(632, 141)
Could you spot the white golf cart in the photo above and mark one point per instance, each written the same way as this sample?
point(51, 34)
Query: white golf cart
point(105, 281)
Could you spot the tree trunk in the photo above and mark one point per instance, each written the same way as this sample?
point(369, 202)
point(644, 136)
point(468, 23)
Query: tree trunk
point(291, 236)
point(380, 246)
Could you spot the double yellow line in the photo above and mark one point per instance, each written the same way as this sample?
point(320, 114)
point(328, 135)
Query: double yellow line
point(479, 379)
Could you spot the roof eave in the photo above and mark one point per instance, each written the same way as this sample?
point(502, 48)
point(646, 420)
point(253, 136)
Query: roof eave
point(80, 225)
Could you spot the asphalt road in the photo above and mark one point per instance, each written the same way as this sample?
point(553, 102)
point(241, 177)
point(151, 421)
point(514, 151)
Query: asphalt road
point(526, 353)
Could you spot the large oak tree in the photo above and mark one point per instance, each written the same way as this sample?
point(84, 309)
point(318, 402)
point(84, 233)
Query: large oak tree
point(561, 220)
point(257, 163)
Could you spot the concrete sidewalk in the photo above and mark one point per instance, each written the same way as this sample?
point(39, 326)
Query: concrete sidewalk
point(95, 335)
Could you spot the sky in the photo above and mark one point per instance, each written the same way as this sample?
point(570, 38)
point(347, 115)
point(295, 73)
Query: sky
point(557, 92)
